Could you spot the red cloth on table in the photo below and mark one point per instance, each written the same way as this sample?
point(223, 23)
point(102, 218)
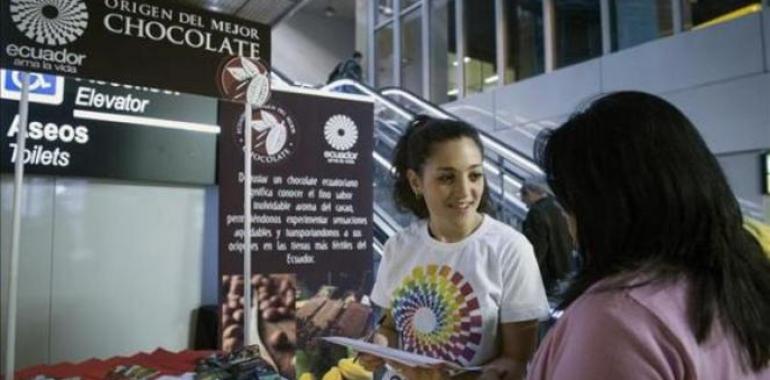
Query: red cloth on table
point(166, 362)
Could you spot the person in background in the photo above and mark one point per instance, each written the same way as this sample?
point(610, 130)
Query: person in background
point(672, 286)
point(546, 228)
point(348, 69)
point(457, 284)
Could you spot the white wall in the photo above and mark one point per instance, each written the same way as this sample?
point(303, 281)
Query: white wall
point(107, 268)
point(306, 47)
point(718, 76)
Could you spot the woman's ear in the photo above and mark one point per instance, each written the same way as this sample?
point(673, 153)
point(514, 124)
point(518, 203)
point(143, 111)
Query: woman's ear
point(414, 182)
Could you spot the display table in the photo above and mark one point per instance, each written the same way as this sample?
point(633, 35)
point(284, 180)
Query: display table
point(167, 363)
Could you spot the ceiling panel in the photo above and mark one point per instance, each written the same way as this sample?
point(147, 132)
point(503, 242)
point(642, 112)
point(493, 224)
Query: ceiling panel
point(345, 9)
point(263, 11)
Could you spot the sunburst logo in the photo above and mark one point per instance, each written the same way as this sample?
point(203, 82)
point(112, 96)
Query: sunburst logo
point(50, 22)
point(341, 132)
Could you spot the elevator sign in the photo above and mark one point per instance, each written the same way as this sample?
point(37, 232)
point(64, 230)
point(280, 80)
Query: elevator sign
point(89, 128)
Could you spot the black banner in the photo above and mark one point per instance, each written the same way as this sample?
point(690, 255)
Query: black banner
point(312, 223)
point(87, 128)
point(150, 43)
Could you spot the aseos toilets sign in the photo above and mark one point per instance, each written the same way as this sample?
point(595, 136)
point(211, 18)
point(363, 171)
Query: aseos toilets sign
point(89, 128)
point(150, 43)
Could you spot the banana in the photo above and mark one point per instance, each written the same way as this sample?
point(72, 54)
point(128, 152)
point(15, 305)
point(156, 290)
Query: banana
point(353, 371)
point(307, 376)
point(333, 374)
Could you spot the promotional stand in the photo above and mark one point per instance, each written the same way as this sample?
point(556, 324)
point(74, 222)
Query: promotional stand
point(188, 50)
point(294, 166)
point(310, 226)
point(13, 278)
point(247, 312)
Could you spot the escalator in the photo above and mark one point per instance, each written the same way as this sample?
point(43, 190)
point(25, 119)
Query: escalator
point(504, 168)
point(511, 149)
point(394, 108)
point(508, 162)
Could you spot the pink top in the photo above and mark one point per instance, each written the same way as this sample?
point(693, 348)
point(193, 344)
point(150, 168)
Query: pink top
point(637, 333)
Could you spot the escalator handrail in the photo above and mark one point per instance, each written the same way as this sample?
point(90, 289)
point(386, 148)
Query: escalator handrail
point(496, 169)
point(494, 187)
point(281, 75)
point(409, 116)
point(391, 227)
point(398, 109)
point(496, 145)
point(426, 104)
point(372, 92)
point(285, 79)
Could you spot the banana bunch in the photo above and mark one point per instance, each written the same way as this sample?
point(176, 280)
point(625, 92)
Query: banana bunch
point(307, 376)
point(352, 370)
point(333, 374)
point(346, 369)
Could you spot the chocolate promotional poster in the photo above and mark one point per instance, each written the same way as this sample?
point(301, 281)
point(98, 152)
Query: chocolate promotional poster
point(144, 42)
point(311, 220)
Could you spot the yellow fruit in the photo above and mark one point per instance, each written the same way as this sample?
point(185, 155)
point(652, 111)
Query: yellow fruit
point(333, 374)
point(307, 376)
point(353, 371)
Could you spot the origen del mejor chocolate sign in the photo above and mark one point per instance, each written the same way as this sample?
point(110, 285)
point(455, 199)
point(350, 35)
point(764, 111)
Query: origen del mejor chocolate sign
point(151, 43)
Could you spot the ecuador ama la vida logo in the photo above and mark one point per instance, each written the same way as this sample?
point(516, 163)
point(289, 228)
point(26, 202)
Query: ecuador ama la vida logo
point(273, 135)
point(51, 24)
point(341, 133)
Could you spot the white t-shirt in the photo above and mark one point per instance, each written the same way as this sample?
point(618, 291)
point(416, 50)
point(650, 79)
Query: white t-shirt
point(448, 299)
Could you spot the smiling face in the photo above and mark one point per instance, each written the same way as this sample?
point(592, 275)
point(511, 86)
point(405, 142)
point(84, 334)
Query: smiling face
point(451, 182)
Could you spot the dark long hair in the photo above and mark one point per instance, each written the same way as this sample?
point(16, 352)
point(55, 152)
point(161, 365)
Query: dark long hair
point(415, 146)
point(647, 195)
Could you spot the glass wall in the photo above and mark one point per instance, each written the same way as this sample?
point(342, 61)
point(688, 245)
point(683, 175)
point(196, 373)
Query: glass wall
point(637, 21)
point(407, 3)
point(411, 52)
point(383, 45)
point(480, 61)
point(384, 11)
point(578, 31)
point(443, 51)
point(576, 36)
point(525, 55)
point(704, 13)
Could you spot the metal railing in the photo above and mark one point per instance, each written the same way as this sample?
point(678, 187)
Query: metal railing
point(503, 167)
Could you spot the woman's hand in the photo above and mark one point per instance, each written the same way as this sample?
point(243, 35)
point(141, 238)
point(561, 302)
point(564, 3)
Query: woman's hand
point(371, 362)
point(495, 370)
point(437, 372)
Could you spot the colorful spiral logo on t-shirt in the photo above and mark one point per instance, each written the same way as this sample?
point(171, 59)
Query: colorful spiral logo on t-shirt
point(437, 314)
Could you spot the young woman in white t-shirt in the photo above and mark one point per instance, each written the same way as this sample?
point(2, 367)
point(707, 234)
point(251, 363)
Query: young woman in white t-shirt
point(457, 284)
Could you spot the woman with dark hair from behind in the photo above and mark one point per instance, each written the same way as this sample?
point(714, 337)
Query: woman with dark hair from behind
point(457, 284)
point(672, 287)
